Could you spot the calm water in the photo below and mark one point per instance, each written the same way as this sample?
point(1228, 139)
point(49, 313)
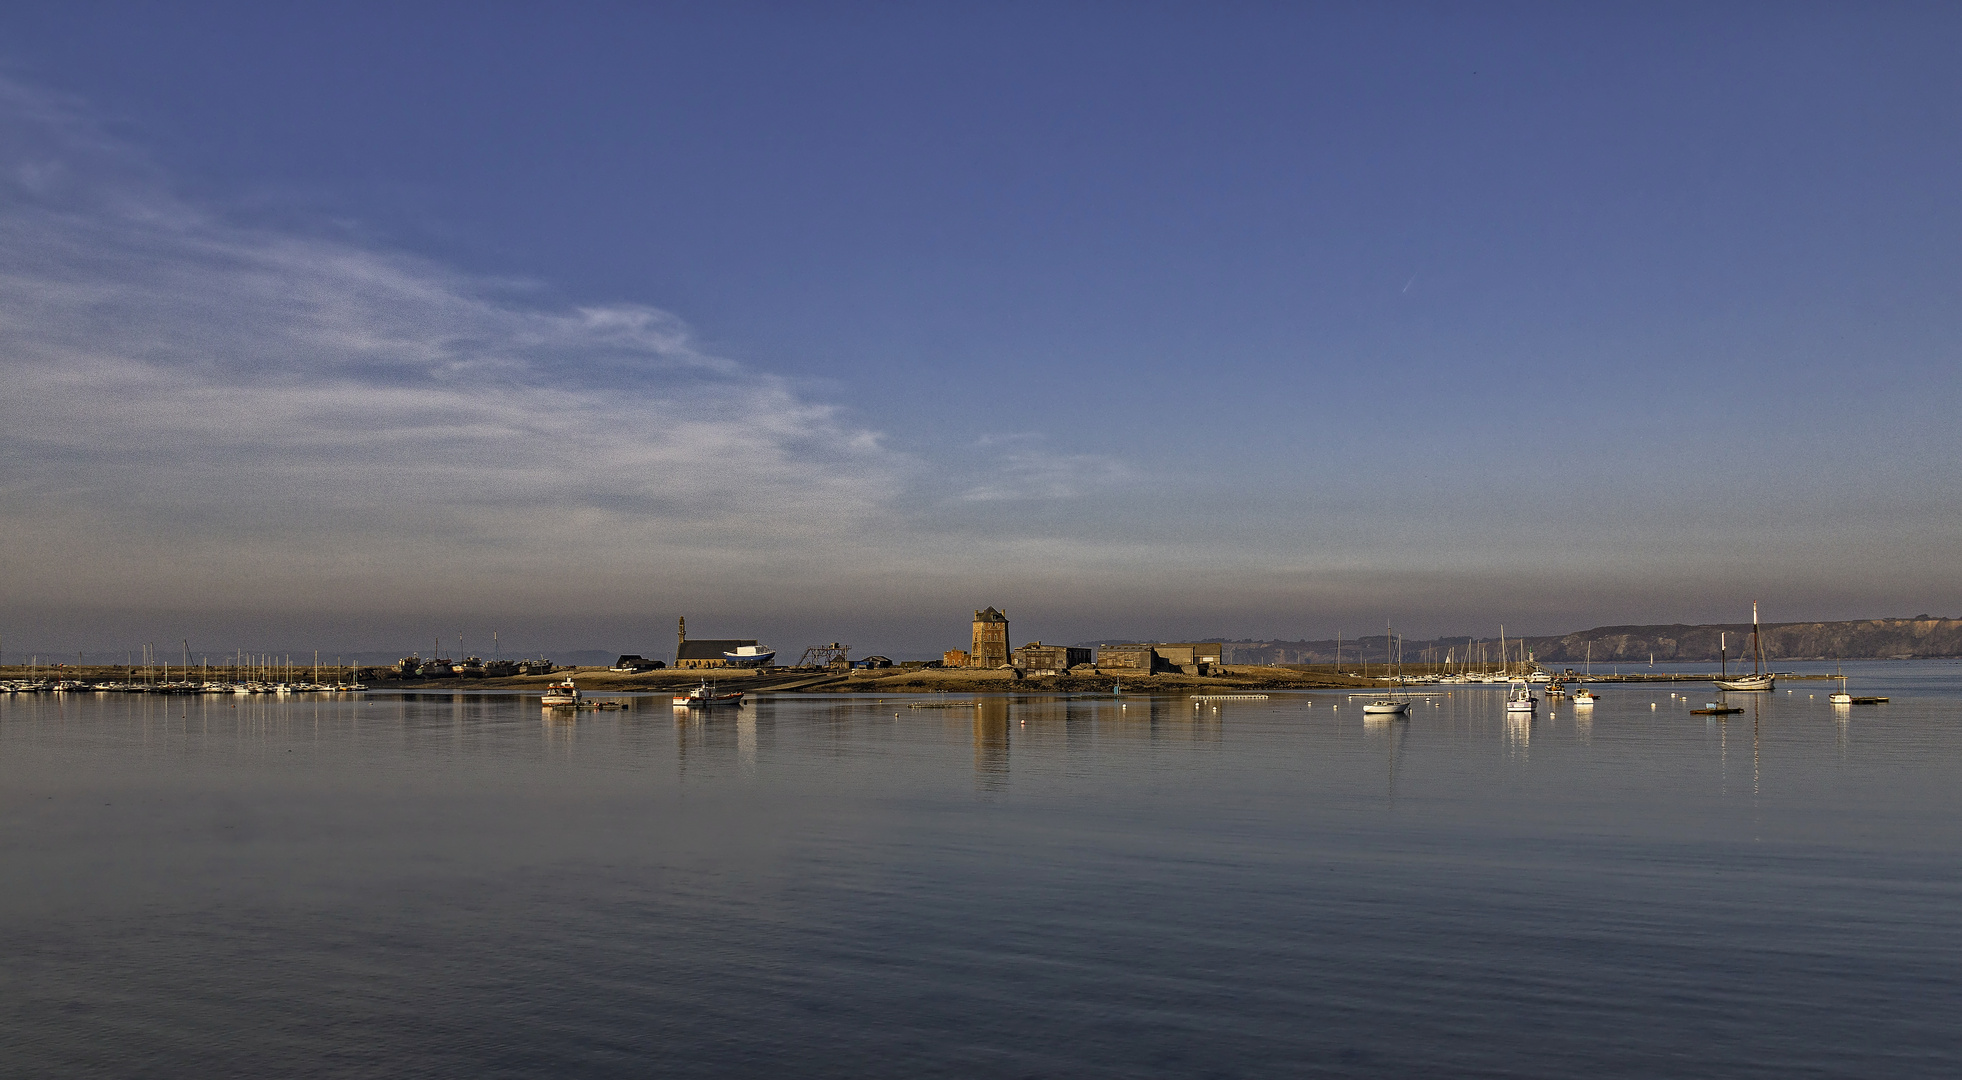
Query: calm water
point(453, 886)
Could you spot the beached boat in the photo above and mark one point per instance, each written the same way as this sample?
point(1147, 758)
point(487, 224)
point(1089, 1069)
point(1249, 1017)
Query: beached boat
point(705, 696)
point(749, 656)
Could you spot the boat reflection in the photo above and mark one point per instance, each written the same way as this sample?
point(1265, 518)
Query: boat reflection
point(1519, 733)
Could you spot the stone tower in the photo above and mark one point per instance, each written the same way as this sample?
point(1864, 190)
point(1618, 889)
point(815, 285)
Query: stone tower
point(990, 640)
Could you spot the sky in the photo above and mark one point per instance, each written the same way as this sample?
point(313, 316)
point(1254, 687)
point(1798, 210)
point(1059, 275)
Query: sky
point(348, 326)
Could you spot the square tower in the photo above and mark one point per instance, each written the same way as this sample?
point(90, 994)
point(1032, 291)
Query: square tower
point(990, 640)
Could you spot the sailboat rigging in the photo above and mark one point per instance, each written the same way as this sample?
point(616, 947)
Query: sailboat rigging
point(1392, 705)
point(1759, 680)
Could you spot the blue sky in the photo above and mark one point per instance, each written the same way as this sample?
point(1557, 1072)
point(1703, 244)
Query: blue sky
point(349, 324)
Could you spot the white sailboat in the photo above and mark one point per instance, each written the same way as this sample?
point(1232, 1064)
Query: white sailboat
point(1392, 705)
point(1584, 696)
point(1759, 681)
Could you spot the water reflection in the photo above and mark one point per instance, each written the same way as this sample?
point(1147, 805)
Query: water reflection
point(991, 716)
point(1519, 734)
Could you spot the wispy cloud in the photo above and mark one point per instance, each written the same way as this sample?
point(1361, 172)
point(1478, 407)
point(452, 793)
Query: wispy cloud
point(258, 406)
point(1020, 467)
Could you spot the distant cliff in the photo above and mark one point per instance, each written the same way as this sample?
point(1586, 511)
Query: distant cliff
point(1921, 636)
point(1865, 639)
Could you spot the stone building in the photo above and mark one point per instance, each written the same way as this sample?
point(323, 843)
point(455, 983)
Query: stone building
point(704, 652)
point(990, 649)
point(1125, 658)
point(954, 658)
point(1190, 657)
point(1035, 656)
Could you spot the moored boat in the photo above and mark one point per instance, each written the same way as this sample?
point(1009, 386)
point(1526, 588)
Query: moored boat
point(562, 695)
point(1392, 705)
point(1760, 680)
point(705, 696)
point(1520, 699)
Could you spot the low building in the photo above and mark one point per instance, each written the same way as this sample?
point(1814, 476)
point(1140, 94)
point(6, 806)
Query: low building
point(633, 663)
point(1137, 658)
point(1035, 656)
point(954, 658)
point(1189, 657)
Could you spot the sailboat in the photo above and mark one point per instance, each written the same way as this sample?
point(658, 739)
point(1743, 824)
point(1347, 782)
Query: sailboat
point(1841, 698)
point(1844, 698)
point(1392, 705)
point(1759, 680)
point(1584, 696)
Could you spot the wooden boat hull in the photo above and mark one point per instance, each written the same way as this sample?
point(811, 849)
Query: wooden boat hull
point(1756, 684)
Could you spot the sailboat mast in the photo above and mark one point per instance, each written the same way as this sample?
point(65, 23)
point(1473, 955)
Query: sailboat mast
point(1757, 642)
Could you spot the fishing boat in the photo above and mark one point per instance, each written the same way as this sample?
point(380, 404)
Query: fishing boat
point(705, 697)
point(562, 695)
point(1760, 680)
point(1392, 705)
point(1716, 708)
point(749, 656)
point(1519, 697)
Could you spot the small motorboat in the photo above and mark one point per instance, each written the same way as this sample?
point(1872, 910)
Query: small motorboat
point(1520, 699)
point(1584, 696)
point(567, 696)
point(1716, 708)
point(705, 696)
point(1554, 690)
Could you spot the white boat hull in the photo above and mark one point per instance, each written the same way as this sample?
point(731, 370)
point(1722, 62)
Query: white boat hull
point(1386, 708)
point(1755, 684)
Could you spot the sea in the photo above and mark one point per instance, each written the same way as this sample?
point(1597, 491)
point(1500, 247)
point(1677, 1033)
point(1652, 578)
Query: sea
point(1135, 885)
